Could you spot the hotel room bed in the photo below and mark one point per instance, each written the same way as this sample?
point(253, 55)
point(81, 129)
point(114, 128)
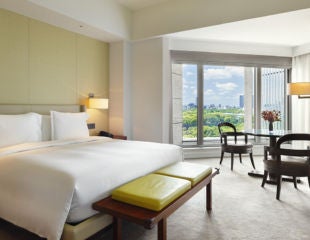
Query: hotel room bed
point(46, 185)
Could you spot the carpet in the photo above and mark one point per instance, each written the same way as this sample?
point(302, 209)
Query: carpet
point(242, 210)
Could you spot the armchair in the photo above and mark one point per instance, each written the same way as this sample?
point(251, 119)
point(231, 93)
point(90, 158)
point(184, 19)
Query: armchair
point(292, 162)
point(227, 132)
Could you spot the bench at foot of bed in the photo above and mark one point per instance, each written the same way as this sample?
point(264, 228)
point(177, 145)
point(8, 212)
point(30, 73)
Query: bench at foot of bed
point(150, 200)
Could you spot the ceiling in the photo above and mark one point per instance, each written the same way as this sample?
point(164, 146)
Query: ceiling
point(139, 4)
point(288, 29)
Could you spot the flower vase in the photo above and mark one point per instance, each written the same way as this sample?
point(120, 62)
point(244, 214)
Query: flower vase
point(270, 126)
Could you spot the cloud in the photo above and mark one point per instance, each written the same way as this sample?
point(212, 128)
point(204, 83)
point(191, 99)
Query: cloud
point(189, 74)
point(223, 73)
point(229, 86)
point(209, 92)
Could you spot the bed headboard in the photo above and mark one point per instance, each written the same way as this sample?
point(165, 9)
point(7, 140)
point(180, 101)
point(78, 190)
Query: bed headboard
point(39, 108)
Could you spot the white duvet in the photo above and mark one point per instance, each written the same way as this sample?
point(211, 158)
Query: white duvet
point(43, 185)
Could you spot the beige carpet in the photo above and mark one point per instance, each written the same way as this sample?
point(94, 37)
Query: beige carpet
point(242, 209)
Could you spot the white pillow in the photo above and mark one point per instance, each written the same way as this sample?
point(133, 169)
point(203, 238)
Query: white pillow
point(20, 128)
point(46, 128)
point(68, 125)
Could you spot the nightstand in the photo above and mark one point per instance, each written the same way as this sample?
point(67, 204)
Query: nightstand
point(120, 137)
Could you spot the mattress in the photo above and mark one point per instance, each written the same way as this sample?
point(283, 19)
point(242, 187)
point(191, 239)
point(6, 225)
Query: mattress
point(55, 182)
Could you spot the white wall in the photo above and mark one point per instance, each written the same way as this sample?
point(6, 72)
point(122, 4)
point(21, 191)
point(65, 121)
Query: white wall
point(300, 50)
point(167, 92)
point(147, 90)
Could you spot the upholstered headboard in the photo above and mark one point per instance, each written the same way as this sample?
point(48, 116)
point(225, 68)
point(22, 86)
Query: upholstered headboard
point(39, 108)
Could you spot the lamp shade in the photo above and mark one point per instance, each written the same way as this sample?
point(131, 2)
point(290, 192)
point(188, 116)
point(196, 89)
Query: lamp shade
point(98, 103)
point(298, 88)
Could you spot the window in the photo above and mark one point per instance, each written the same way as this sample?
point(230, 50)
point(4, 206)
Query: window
point(206, 94)
point(273, 85)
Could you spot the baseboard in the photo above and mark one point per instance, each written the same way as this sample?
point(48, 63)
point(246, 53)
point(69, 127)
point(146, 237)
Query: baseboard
point(213, 152)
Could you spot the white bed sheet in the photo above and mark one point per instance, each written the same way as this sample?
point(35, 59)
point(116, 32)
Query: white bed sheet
point(47, 183)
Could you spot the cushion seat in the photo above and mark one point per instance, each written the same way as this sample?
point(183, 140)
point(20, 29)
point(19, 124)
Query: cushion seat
point(190, 171)
point(152, 191)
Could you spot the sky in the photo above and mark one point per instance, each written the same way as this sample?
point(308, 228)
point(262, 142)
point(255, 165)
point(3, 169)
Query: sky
point(222, 84)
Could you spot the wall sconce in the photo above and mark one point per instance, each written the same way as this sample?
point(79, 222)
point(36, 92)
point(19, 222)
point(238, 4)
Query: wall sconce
point(302, 89)
point(97, 103)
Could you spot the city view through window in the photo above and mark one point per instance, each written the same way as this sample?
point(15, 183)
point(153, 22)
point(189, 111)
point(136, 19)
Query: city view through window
point(223, 97)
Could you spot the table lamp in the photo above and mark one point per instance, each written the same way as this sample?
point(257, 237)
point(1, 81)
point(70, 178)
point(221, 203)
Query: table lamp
point(97, 103)
point(302, 89)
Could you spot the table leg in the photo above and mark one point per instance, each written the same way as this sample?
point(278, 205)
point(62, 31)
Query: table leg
point(162, 229)
point(272, 141)
point(209, 196)
point(117, 228)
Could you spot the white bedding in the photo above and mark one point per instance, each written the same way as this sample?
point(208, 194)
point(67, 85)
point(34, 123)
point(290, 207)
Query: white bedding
point(45, 184)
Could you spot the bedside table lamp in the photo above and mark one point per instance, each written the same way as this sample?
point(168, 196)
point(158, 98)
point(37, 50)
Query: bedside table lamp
point(97, 103)
point(302, 89)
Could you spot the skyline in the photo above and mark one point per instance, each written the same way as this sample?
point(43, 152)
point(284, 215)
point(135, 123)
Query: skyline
point(222, 84)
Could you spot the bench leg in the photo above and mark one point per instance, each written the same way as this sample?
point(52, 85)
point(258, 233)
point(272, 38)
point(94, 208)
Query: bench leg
point(117, 228)
point(162, 229)
point(209, 195)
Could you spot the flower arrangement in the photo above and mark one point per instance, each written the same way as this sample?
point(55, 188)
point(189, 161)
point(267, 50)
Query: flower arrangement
point(271, 116)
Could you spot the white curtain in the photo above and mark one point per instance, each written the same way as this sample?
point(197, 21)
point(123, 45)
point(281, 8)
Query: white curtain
point(301, 107)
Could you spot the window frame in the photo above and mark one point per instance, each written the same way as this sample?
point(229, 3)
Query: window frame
point(200, 59)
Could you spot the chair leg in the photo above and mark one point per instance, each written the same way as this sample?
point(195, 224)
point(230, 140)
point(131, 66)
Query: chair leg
point(309, 181)
point(252, 160)
point(295, 181)
point(264, 178)
point(222, 155)
point(279, 180)
point(232, 162)
point(240, 157)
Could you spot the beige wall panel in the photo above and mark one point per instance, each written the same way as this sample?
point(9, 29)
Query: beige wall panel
point(93, 76)
point(52, 64)
point(13, 58)
point(92, 67)
point(43, 64)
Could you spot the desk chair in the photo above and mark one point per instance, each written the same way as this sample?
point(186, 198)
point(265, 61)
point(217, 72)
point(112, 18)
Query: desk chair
point(227, 132)
point(280, 161)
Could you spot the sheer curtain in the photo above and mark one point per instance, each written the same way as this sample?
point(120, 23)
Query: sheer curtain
point(301, 107)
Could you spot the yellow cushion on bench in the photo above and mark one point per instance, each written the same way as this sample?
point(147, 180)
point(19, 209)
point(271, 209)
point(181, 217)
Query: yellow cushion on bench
point(152, 191)
point(190, 171)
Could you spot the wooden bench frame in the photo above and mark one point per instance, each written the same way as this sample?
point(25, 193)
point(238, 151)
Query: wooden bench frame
point(149, 218)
